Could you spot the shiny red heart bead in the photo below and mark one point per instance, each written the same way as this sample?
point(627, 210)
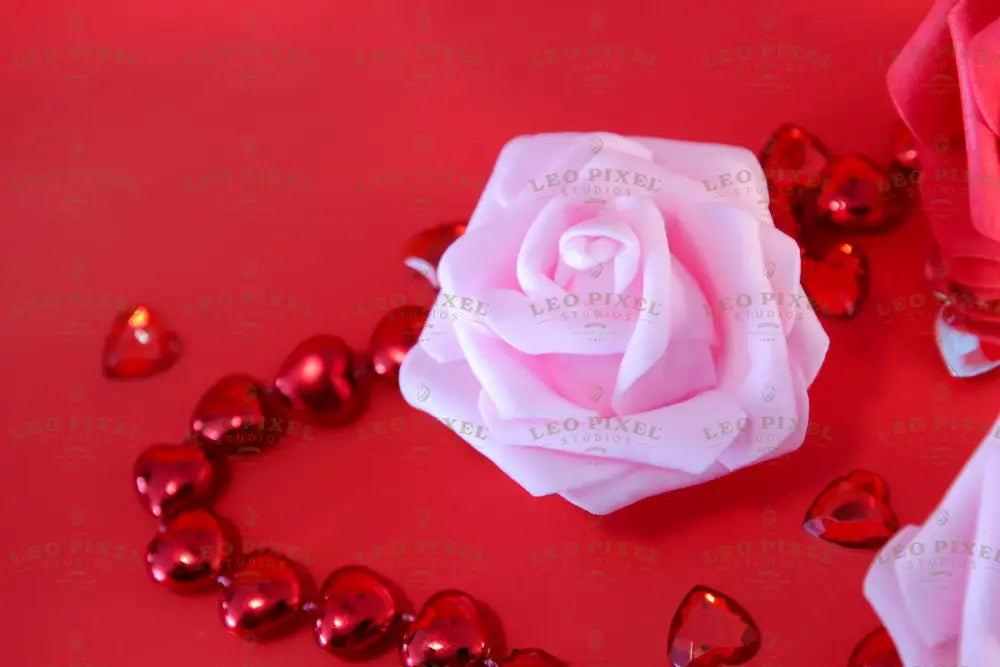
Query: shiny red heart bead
point(855, 194)
point(792, 159)
point(393, 336)
point(853, 511)
point(876, 649)
point(188, 552)
point(903, 146)
point(355, 613)
point(423, 251)
point(262, 598)
point(449, 631)
point(319, 383)
point(138, 345)
point(172, 477)
point(233, 414)
point(838, 281)
point(711, 629)
point(532, 657)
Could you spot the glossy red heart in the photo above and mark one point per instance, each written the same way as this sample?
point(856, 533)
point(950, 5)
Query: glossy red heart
point(262, 598)
point(319, 382)
point(853, 511)
point(188, 552)
point(138, 345)
point(423, 251)
point(711, 629)
point(233, 415)
point(355, 612)
point(838, 280)
point(393, 336)
point(172, 477)
point(857, 195)
point(876, 649)
point(449, 631)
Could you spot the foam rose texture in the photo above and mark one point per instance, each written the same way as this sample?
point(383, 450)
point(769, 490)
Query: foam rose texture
point(621, 318)
point(936, 587)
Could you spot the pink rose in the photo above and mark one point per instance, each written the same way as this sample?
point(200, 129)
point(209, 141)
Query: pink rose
point(946, 84)
point(936, 587)
point(621, 319)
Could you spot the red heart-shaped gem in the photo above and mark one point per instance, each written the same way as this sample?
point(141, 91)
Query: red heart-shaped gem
point(355, 612)
point(233, 414)
point(319, 382)
point(393, 336)
point(171, 477)
point(838, 281)
point(449, 631)
point(138, 345)
point(263, 597)
point(876, 649)
point(187, 554)
point(532, 657)
point(853, 511)
point(857, 195)
point(711, 629)
point(793, 160)
point(423, 251)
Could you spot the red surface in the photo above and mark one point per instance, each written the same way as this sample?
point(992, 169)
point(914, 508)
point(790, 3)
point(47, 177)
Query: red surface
point(251, 170)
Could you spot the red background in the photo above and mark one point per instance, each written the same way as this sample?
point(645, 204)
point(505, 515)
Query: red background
point(251, 170)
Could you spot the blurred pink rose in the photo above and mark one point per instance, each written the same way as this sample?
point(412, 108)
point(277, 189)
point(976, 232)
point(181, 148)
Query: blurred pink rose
point(621, 319)
point(946, 84)
point(936, 587)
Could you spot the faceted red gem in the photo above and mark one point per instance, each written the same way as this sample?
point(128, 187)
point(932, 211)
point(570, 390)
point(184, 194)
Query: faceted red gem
point(855, 194)
point(838, 282)
point(853, 511)
point(187, 554)
point(171, 477)
point(711, 629)
point(318, 382)
point(793, 157)
point(394, 335)
point(355, 612)
point(138, 345)
point(532, 657)
point(233, 414)
point(423, 251)
point(449, 631)
point(263, 597)
point(903, 146)
point(876, 649)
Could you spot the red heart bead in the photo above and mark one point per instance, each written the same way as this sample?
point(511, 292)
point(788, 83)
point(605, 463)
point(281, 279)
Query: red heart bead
point(318, 382)
point(853, 511)
point(232, 414)
point(187, 553)
point(171, 477)
point(711, 629)
point(903, 146)
point(792, 159)
point(394, 335)
point(839, 282)
point(449, 631)
point(856, 194)
point(263, 597)
point(532, 657)
point(876, 649)
point(137, 345)
point(355, 613)
point(423, 251)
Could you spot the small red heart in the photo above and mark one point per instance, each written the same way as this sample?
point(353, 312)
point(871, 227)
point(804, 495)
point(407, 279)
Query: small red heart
point(423, 251)
point(855, 194)
point(187, 554)
point(138, 345)
point(838, 282)
point(355, 612)
point(711, 629)
point(171, 477)
point(263, 597)
point(449, 631)
point(233, 414)
point(876, 649)
point(853, 511)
